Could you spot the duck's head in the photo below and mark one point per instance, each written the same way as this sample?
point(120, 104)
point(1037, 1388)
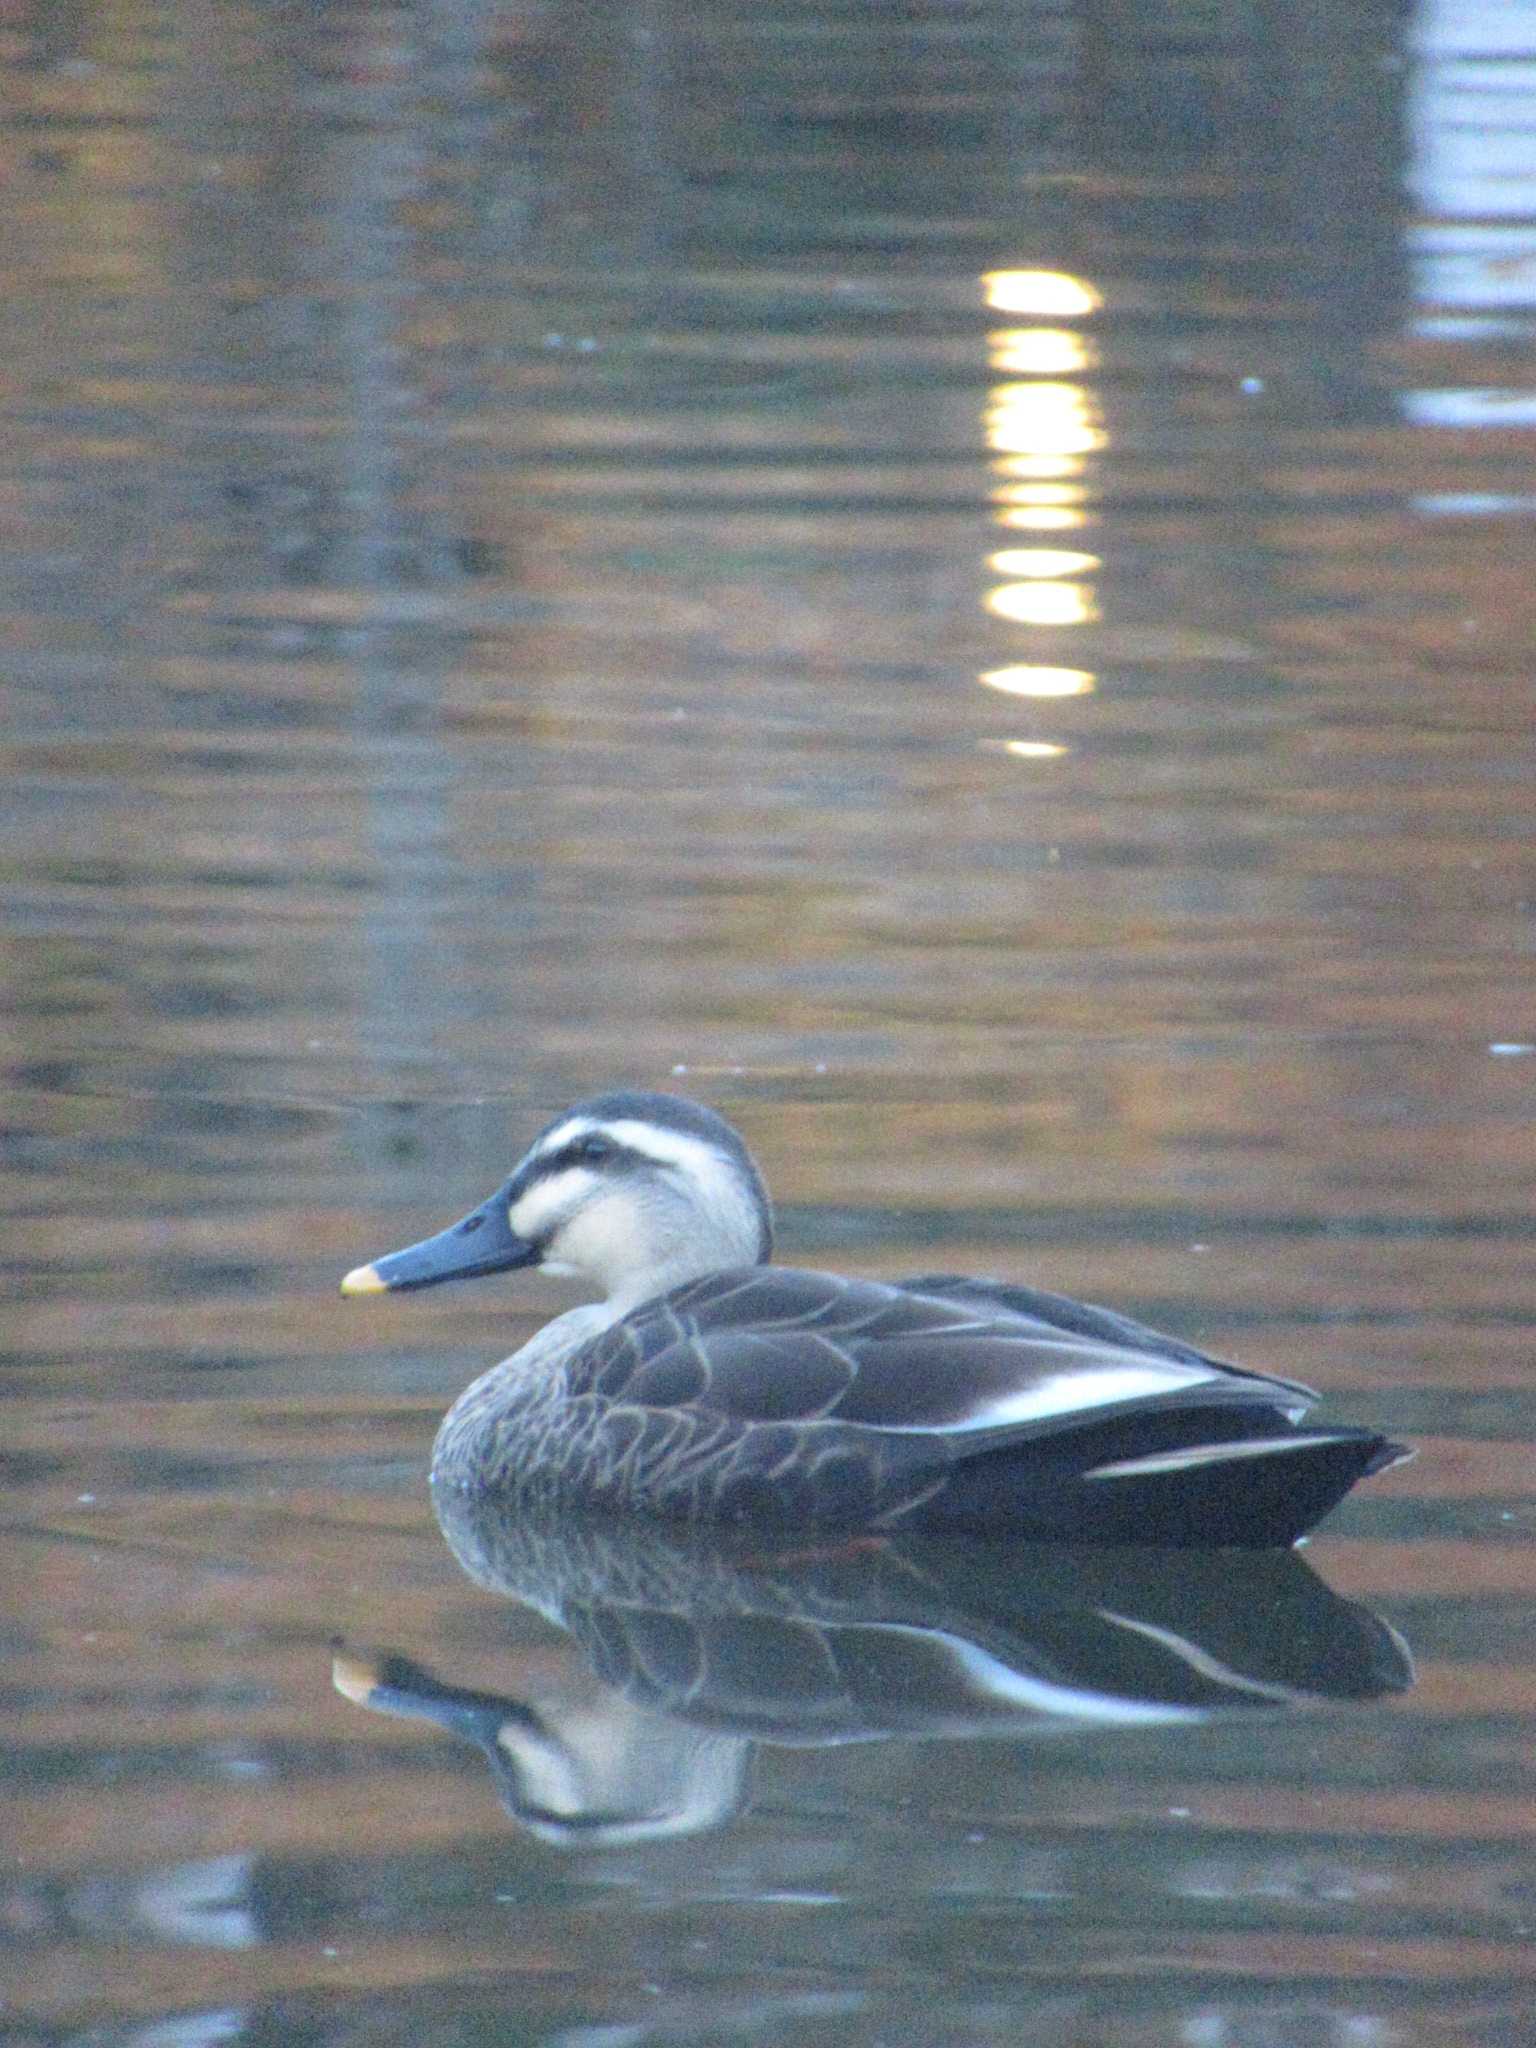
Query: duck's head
point(630, 1193)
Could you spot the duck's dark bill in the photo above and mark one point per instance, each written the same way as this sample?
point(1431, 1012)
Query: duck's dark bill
point(482, 1243)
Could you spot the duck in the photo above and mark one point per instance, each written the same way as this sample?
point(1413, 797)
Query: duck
point(708, 1385)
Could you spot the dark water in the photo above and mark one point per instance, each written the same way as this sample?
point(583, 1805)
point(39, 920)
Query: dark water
point(961, 578)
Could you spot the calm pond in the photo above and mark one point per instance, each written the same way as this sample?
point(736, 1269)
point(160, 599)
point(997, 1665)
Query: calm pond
point(958, 581)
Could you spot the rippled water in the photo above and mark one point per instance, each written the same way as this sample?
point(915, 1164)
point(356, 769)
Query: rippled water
point(961, 580)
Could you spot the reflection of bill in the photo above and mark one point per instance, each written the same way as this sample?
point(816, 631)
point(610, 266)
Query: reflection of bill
point(698, 1654)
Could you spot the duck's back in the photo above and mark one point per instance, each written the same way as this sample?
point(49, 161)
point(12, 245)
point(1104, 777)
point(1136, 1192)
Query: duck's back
point(800, 1399)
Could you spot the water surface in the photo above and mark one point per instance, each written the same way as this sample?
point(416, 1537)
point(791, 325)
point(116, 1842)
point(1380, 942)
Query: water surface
point(956, 581)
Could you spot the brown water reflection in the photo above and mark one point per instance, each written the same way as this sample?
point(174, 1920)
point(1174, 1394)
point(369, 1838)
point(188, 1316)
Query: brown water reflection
point(504, 514)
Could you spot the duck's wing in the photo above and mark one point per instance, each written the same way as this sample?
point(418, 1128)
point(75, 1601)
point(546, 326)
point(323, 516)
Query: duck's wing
point(779, 1346)
point(1063, 1314)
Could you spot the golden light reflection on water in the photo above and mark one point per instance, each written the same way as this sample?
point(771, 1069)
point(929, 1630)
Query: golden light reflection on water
point(1040, 424)
point(1050, 294)
point(1049, 467)
point(1040, 563)
point(1027, 750)
point(1042, 604)
point(1032, 679)
point(1041, 417)
point(1040, 518)
point(1037, 352)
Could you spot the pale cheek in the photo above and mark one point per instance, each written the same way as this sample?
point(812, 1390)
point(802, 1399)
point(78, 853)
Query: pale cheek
point(541, 1208)
point(601, 1239)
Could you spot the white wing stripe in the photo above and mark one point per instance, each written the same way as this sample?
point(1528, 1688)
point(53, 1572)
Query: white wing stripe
point(1075, 1393)
point(1199, 1660)
point(1206, 1454)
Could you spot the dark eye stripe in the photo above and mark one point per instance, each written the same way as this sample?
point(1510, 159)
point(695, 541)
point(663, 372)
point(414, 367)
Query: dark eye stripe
point(596, 1149)
point(588, 1151)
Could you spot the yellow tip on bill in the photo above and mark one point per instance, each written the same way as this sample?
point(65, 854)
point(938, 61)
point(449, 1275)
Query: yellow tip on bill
point(352, 1677)
point(364, 1280)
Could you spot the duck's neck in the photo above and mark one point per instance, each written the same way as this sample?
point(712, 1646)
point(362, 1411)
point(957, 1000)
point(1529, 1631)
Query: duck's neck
point(660, 1278)
point(670, 1259)
point(628, 1251)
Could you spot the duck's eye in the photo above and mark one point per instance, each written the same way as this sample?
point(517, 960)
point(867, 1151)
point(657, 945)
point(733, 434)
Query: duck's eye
point(593, 1151)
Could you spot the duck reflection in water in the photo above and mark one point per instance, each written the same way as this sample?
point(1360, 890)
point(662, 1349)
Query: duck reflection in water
point(708, 1385)
point(701, 1650)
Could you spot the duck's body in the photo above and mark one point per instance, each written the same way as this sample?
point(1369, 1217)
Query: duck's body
point(713, 1386)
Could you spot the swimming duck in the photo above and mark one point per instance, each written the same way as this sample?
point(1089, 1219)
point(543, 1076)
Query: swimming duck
point(710, 1385)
